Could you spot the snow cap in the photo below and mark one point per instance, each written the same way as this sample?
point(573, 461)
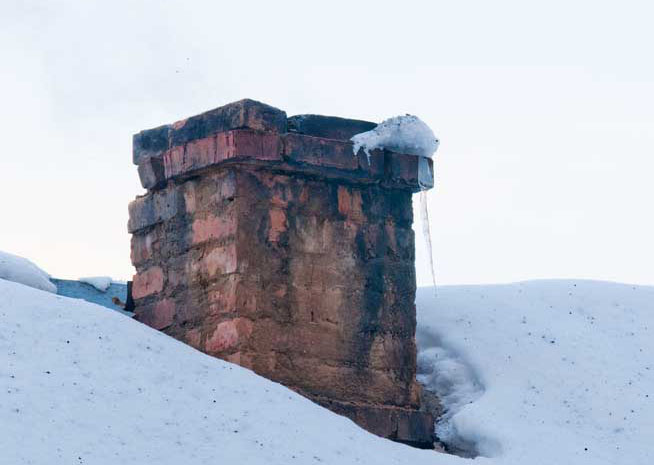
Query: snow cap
point(403, 134)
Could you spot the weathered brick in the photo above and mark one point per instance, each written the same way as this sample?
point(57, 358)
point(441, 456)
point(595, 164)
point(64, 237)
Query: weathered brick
point(229, 335)
point(403, 425)
point(159, 315)
point(330, 127)
point(213, 228)
point(210, 195)
point(325, 153)
point(142, 247)
point(349, 203)
point(238, 144)
point(242, 114)
point(150, 143)
point(218, 261)
point(153, 208)
point(410, 171)
point(151, 172)
point(148, 282)
point(278, 224)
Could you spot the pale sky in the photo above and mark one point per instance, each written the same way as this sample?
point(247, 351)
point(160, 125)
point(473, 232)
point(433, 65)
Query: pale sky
point(545, 112)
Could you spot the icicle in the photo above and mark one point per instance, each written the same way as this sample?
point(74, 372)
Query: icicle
point(426, 232)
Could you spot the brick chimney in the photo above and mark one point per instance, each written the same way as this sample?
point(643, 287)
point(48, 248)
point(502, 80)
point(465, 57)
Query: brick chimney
point(263, 240)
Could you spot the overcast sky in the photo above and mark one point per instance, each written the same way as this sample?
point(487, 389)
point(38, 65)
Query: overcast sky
point(545, 112)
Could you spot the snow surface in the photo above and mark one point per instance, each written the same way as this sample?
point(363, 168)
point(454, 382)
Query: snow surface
point(543, 372)
point(21, 270)
point(101, 283)
point(83, 385)
point(403, 134)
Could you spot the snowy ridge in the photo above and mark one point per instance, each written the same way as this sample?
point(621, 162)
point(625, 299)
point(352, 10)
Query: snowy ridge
point(538, 373)
point(83, 385)
point(21, 270)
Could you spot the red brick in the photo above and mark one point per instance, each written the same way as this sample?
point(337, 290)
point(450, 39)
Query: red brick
point(350, 203)
point(242, 114)
point(218, 261)
point(163, 314)
point(193, 337)
point(200, 153)
point(151, 172)
point(248, 144)
point(213, 228)
point(190, 197)
point(148, 282)
point(142, 247)
point(278, 224)
point(228, 335)
point(173, 162)
point(221, 299)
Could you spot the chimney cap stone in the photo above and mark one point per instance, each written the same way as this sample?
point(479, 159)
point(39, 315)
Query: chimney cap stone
point(329, 127)
point(242, 114)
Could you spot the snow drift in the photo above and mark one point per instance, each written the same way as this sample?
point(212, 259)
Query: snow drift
point(83, 384)
point(21, 270)
point(546, 372)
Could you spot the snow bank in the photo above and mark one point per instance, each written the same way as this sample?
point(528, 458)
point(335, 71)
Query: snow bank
point(81, 384)
point(538, 373)
point(403, 134)
point(101, 283)
point(21, 270)
point(556, 371)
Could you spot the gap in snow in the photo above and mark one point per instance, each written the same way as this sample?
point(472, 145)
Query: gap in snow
point(452, 379)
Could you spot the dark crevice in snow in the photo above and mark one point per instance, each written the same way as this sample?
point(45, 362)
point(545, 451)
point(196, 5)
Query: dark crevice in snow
point(446, 375)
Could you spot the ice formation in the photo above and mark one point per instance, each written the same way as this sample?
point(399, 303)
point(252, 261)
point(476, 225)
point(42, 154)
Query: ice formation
point(405, 134)
point(426, 233)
